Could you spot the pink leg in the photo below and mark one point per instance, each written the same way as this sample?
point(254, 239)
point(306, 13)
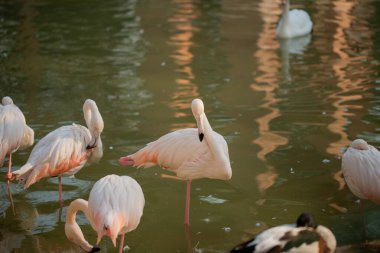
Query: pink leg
point(187, 207)
point(60, 191)
point(121, 243)
point(9, 174)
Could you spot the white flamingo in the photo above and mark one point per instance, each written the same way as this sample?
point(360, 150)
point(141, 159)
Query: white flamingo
point(191, 153)
point(361, 170)
point(64, 151)
point(293, 23)
point(302, 237)
point(14, 132)
point(114, 208)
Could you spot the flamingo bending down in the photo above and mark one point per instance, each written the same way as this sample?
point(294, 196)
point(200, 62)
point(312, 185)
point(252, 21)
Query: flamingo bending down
point(191, 153)
point(64, 151)
point(14, 132)
point(114, 208)
point(361, 170)
point(302, 237)
point(293, 23)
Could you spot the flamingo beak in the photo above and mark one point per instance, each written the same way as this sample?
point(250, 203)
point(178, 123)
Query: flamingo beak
point(94, 249)
point(201, 135)
point(200, 128)
point(114, 240)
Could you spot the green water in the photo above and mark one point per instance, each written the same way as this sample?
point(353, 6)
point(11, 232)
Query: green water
point(286, 108)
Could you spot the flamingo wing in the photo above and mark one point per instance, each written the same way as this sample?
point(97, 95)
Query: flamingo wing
point(361, 170)
point(61, 152)
point(172, 150)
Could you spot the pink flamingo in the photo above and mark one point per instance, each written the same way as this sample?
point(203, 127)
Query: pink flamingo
point(64, 151)
point(115, 207)
point(14, 133)
point(191, 153)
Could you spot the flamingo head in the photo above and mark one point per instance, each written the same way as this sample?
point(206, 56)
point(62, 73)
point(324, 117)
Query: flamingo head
point(359, 144)
point(111, 228)
point(7, 101)
point(75, 235)
point(198, 110)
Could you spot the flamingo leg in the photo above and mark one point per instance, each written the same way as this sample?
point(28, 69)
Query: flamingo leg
point(187, 206)
point(11, 199)
point(9, 174)
point(60, 191)
point(121, 243)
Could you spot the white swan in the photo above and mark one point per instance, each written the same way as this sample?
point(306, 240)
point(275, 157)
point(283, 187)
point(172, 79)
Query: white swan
point(293, 23)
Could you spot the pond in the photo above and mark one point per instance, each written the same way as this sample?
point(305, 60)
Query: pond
point(287, 109)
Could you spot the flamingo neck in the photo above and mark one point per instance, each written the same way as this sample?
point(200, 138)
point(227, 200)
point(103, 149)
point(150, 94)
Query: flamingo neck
point(209, 136)
point(74, 207)
point(93, 120)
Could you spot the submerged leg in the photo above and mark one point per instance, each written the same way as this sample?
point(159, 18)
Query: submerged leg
point(11, 199)
point(121, 243)
point(60, 191)
point(187, 206)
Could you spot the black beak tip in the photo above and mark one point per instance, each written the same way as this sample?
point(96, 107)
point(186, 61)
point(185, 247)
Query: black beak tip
point(201, 135)
point(95, 249)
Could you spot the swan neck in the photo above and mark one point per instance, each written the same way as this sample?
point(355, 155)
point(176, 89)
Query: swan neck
point(286, 11)
point(74, 207)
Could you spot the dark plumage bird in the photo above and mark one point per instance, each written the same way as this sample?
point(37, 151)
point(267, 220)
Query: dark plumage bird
point(302, 237)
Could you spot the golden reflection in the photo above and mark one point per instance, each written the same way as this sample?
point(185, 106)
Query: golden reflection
point(342, 69)
point(182, 39)
point(343, 20)
point(269, 67)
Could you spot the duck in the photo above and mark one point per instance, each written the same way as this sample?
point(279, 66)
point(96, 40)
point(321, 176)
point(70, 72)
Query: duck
point(302, 237)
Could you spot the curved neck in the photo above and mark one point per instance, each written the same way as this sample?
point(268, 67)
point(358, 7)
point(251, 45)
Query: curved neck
point(93, 120)
point(285, 12)
point(74, 207)
point(208, 133)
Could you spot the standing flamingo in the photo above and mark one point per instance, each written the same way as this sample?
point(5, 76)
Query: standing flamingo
point(191, 153)
point(65, 151)
point(114, 208)
point(293, 23)
point(14, 133)
point(302, 237)
point(361, 170)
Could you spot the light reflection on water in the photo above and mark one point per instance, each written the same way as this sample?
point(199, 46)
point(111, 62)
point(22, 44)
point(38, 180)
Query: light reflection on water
point(287, 108)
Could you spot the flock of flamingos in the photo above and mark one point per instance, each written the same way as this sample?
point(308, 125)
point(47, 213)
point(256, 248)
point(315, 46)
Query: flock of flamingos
point(116, 203)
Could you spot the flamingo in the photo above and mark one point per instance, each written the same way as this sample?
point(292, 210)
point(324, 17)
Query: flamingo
point(14, 132)
point(115, 207)
point(302, 237)
point(293, 23)
point(361, 170)
point(191, 153)
point(64, 151)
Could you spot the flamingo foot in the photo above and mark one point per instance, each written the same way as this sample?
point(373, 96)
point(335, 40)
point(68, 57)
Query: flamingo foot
point(10, 177)
point(126, 161)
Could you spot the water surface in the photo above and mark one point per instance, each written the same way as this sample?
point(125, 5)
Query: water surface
point(287, 109)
